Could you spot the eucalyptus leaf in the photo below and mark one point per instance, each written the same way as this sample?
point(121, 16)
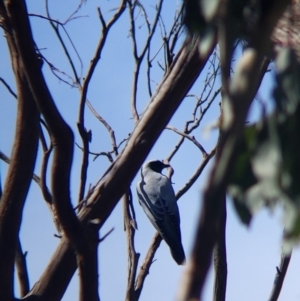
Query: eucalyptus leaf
point(267, 166)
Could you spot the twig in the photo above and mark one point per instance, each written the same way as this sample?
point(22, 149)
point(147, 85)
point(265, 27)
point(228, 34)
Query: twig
point(194, 122)
point(280, 275)
point(97, 55)
point(10, 90)
point(107, 126)
point(107, 154)
point(46, 193)
point(56, 30)
point(83, 99)
point(55, 71)
point(106, 235)
point(176, 29)
point(140, 57)
point(196, 175)
point(6, 159)
point(191, 138)
point(145, 267)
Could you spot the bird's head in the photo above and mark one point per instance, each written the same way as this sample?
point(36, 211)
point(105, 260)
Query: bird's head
point(155, 165)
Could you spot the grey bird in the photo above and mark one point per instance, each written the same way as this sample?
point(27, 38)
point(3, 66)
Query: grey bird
point(157, 198)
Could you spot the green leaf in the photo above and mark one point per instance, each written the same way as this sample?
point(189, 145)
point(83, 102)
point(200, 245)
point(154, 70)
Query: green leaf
point(267, 166)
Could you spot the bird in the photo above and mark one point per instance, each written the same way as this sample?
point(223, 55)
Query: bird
point(157, 198)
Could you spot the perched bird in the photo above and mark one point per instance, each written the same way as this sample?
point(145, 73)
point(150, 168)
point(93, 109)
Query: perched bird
point(157, 198)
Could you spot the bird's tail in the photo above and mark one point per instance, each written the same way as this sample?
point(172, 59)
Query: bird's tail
point(178, 254)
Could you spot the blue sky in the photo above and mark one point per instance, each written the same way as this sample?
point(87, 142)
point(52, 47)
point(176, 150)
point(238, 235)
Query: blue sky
point(253, 253)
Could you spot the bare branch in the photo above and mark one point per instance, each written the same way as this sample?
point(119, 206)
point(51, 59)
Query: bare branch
point(280, 275)
point(220, 255)
point(107, 154)
point(196, 175)
point(145, 267)
point(21, 268)
point(191, 138)
point(87, 262)
point(10, 90)
point(169, 53)
point(103, 23)
point(176, 29)
point(43, 180)
point(97, 56)
point(86, 139)
point(20, 170)
point(107, 126)
point(56, 30)
point(6, 159)
point(199, 112)
point(140, 57)
point(106, 235)
point(57, 72)
point(85, 135)
point(45, 191)
point(72, 16)
point(133, 257)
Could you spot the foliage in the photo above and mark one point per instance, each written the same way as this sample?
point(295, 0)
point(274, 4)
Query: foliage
point(267, 165)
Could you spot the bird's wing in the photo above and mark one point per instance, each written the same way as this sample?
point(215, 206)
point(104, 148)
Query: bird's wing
point(168, 199)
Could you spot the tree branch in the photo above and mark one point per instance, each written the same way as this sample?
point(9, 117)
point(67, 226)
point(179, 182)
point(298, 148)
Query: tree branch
point(85, 135)
point(145, 267)
point(22, 272)
point(140, 57)
point(107, 126)
point(280, 275)
point(220, 256)
point(191, 138)
point(43, 181)
point(7, 86)
point(55, 28)
point(196, 175)
point(133, 257)
point(7, 160)
point(20, 170)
